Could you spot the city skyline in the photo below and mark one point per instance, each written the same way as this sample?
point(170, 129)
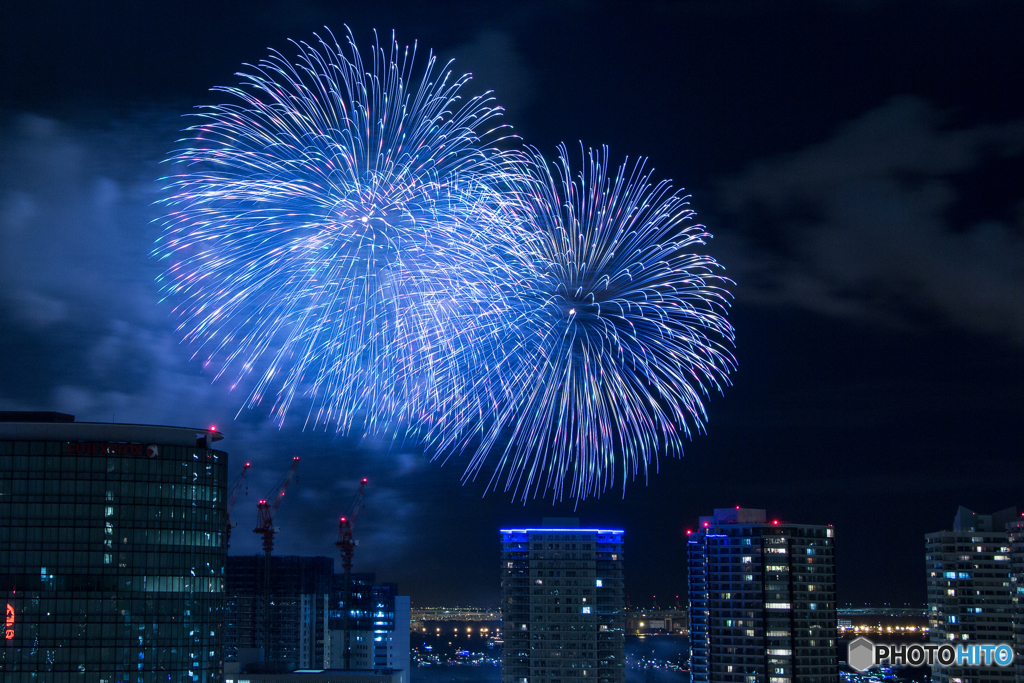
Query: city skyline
point(858, 164)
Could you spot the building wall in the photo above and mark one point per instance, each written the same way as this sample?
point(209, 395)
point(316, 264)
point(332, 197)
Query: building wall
point(969, 596)
point(1015, 532)
point(379, 638)
point(762, 602)
point(295, 631)
point(111, 553)
point(563, 599)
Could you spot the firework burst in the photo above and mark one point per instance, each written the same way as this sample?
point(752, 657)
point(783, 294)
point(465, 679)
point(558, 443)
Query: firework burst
point(346, 235)
point(616, 334)
point(319, 222)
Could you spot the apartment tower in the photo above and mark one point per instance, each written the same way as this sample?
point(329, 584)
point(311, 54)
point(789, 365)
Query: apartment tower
point(762, 600)
point(562, 603)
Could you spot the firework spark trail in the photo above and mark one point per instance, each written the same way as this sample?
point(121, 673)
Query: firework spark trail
point(349, 236)
point(607, 353)
point(316, 222)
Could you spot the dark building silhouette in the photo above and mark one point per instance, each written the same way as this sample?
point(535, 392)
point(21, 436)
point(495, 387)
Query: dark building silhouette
point(304, 628)
point(297, 624)
point(111, 551)
point(563, 604)
point(762, 600)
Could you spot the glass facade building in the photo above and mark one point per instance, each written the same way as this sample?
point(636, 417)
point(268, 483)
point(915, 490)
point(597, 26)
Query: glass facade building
point(762, 600)
point(563, 602)
point(111, 551)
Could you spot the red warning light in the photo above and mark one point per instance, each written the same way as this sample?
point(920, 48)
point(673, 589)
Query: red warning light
point(688, 532)
point(737, 507)
point(775, 521)
point(248, 464)
point(295, 458)
point(342, 519)
point(213, 428)
point(705, 523)
point(364, 480)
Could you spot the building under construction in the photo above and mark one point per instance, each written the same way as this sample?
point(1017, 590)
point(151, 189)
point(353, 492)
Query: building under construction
point(305, 625)
point(294, 633)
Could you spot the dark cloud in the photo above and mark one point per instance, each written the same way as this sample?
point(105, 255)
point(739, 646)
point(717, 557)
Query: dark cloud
point(895, 218)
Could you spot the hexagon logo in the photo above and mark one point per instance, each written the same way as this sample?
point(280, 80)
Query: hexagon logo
point(861, 654)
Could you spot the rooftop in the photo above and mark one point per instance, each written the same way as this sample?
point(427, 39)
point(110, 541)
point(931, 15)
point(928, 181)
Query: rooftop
point(53, 426)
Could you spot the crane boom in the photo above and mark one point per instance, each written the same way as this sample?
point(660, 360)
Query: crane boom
point(238, 486)
point(278, 495)
point(266, 508)
point(231, 503)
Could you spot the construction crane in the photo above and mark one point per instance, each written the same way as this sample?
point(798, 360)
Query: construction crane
point(265, 510)
point(231, 503)
point(347, 545)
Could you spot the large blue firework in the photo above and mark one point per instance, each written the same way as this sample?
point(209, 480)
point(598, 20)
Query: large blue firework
point(346, 236)
point(320, 222)
point(615, 335)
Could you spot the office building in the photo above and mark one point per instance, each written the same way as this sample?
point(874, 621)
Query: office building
point(563, 604)
point(762, 600)
point(111, 551)
point(970, 591)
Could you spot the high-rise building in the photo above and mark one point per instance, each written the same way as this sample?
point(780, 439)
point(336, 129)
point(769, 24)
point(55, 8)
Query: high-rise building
point(304, 629)
point(563, 604)
point(296, 632)
point(1015, 532)
point(111, 551)
point(762, 600)
point(970, 589)
point(379, 625)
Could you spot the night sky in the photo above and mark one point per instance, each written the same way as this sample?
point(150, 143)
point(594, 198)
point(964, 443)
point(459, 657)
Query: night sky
point(860, 163)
